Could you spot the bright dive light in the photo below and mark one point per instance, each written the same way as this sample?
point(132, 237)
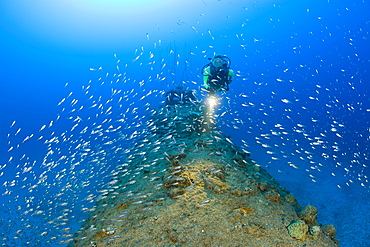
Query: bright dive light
point(212, 101)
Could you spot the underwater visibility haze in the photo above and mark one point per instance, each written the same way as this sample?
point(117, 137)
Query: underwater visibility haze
point(80, 80)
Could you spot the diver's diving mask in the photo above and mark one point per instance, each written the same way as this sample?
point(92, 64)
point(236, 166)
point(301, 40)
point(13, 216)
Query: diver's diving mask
point(218, 62)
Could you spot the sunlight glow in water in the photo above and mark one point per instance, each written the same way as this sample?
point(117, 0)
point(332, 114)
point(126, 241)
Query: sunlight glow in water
point(117, 4)
point(92, 24)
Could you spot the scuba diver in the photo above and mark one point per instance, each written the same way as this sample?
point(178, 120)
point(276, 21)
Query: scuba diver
point(180, 96)
point(217, 74)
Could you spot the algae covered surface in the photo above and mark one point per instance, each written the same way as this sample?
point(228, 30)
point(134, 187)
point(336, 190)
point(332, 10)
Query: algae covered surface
point(186, 184)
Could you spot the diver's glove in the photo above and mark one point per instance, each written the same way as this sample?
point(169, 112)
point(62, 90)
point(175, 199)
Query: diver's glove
point(206, 86)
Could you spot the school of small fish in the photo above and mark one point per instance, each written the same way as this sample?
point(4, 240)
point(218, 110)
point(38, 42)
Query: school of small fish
point(282, 124)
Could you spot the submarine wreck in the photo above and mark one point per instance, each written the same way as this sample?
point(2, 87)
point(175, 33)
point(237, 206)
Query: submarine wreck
point(185, 183)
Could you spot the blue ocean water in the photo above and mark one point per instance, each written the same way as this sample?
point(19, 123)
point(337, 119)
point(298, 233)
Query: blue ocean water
point(78, 81)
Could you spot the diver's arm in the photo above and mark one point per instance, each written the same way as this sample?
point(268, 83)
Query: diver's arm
point(206, 74)
point(231, 75)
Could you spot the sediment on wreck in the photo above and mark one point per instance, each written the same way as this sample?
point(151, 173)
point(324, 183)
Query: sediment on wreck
point(186, 184)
